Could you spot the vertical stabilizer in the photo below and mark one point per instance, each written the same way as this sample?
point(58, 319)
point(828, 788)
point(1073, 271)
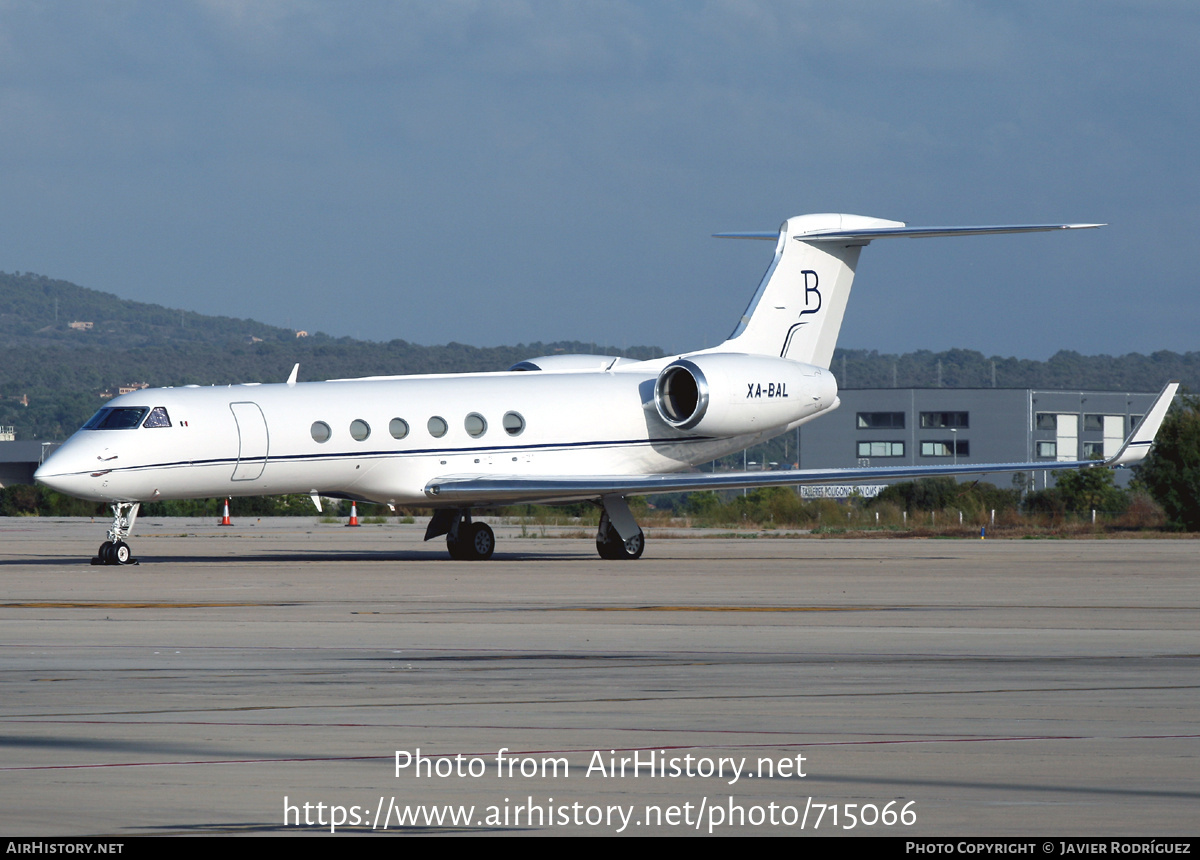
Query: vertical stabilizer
point(797, 311)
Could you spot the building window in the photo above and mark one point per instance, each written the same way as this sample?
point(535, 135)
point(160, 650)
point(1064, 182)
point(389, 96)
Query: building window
point(940, 420)
point(880, 421)
point(1093, 450)
point(1047, 450)
point(1046, 421)
point(946, 448)
point(1134, 421)
point(1093, 422)
point(880, 449)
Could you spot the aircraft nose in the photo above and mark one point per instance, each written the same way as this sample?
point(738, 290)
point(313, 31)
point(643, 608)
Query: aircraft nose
point(66, 472)
point(48, 475)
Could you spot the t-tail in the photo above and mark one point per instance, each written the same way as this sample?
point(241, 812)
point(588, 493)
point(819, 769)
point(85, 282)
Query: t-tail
point(797, 310)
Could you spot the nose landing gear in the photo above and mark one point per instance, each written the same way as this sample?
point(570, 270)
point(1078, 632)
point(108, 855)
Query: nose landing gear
point(115, 550)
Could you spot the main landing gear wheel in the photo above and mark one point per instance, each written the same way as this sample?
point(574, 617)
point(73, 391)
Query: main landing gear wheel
point(476, 542)
point(615, 549)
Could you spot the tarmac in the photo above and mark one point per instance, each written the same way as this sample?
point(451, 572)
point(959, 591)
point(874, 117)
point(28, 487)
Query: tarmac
point(288, 676)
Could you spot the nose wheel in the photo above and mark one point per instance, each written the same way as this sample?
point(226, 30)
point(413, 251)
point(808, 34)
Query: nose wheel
point(115, 550)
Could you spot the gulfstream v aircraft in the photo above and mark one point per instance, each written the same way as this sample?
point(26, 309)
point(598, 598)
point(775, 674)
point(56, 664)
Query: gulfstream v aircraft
point(551, 429)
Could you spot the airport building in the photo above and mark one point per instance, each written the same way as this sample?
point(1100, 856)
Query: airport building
point(19, 460)
point(933, 426)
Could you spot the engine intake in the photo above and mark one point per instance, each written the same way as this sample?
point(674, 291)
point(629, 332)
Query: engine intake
point(681, 394)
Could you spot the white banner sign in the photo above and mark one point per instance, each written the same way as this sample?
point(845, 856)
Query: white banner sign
point(840, 491)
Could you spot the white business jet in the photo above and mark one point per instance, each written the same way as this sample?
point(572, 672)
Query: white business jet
point(552, 429)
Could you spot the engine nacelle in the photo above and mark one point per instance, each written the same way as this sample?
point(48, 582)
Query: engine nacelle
point(726, 394)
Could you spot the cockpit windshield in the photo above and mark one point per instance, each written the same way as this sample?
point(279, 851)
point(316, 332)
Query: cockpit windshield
point(117, 418)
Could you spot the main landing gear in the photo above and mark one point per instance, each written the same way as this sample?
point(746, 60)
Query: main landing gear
point(610, 545)
point(115, 550)
point(474, 542)
point(619, 537)
point(465, 540)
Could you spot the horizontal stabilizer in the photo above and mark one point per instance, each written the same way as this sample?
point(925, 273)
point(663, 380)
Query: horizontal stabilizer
point(869, 233)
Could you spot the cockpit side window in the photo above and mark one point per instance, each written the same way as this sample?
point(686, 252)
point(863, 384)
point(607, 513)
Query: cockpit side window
point(117, 418)
point(157, 418)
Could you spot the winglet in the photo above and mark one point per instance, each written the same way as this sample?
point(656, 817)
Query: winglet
point(291, 380)
point(1138, 444)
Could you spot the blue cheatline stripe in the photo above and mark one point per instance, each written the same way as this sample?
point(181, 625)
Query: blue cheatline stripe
point(420, 452)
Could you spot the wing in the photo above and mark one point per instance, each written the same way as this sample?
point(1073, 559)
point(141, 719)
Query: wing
point(484, 490)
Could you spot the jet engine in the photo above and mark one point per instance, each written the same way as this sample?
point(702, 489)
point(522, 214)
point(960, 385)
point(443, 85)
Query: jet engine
point(726, 394)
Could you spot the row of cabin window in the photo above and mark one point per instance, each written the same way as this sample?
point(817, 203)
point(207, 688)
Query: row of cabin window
point(475, 425)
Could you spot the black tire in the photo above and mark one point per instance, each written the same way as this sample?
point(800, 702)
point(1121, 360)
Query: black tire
point(105, 553)
point(476, 542)
point(482, 542)
point(616, 549)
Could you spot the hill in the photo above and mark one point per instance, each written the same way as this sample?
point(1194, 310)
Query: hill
point(60, 371)
point(38, 311)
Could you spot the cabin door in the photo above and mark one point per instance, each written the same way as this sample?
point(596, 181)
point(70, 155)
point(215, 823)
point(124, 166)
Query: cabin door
point(253, 441)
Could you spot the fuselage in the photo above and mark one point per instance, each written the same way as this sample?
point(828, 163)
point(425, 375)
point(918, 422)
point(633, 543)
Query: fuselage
point(384, 439)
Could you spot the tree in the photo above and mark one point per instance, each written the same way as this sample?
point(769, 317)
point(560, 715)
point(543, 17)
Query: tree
point(1083, 490)
point(1171, 474)
point(935, 494)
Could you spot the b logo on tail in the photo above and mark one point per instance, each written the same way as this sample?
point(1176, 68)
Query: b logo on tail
point(811, 287)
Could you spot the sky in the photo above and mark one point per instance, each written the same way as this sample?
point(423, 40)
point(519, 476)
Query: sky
point(515, 171)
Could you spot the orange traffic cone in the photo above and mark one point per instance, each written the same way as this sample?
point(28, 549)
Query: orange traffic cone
point(225, 519)
point(353, 514)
